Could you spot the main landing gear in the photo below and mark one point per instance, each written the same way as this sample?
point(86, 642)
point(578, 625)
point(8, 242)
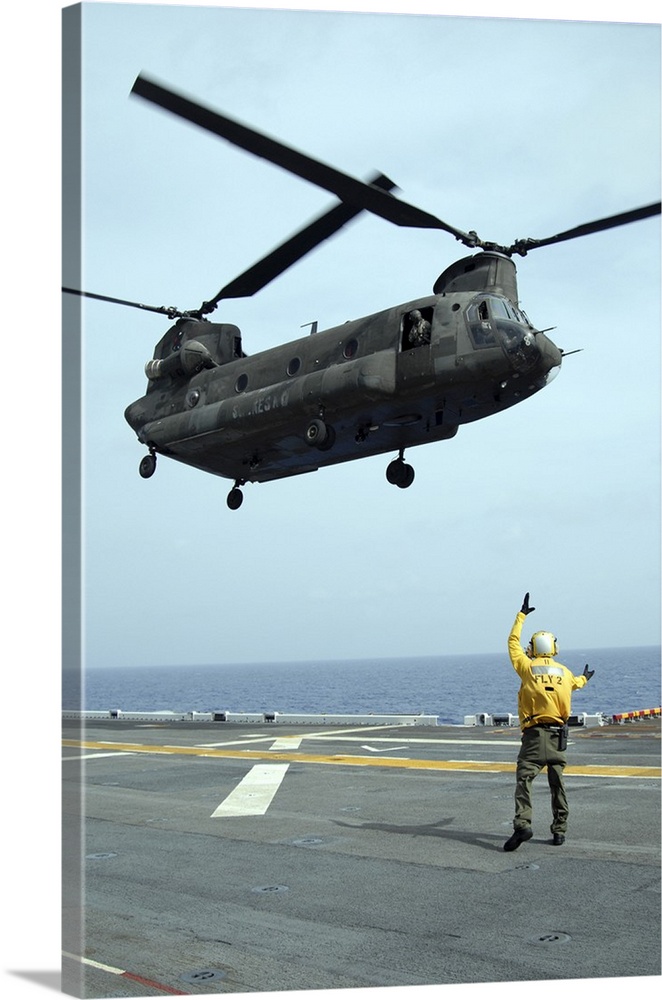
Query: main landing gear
point(320, 435)
point(399, 473)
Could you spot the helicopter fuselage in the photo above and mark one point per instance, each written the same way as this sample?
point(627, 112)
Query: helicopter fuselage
point(406, 376)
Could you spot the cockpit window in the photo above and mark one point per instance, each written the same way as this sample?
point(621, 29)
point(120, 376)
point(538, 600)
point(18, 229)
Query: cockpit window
point(488, 315)
point(499, 307)
point(494, 321)
point(480, 325)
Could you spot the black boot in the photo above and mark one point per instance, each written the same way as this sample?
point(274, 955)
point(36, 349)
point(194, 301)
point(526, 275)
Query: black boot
point(518, 837)
point(558, 839)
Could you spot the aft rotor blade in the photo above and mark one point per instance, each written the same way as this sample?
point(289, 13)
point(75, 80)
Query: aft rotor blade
point(292, 250)
point(165, 310)
point(611, 222)
point(348, 189)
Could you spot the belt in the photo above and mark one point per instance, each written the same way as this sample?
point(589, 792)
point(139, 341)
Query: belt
point(548, 725)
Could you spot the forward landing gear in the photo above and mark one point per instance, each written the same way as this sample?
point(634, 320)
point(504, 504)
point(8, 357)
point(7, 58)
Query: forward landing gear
point(399, 473)
point(147, 466)
point(235, 497)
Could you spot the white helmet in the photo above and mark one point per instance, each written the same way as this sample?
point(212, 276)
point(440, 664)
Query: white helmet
point(543, 644)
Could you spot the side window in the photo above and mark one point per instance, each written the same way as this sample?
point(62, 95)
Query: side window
point(416, 328)
point(480, 327)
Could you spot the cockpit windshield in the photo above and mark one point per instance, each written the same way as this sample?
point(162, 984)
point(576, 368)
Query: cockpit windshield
point(494, 321)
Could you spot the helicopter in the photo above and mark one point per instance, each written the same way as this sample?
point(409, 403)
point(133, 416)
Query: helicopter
point(408, 375)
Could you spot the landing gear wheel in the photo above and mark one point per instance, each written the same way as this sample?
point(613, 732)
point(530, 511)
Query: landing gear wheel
point(400, 474)
point(393, 472)
point(407, 476)
point(235, 498)
point(147, 466)
point(330, 439)
point(319, 434)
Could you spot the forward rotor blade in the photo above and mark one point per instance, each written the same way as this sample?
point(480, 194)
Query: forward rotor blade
point(165, 310)
point(348, 189)
point(292, 250)
point(611, 222)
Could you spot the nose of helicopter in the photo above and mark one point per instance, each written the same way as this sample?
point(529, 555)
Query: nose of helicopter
point(551, 356)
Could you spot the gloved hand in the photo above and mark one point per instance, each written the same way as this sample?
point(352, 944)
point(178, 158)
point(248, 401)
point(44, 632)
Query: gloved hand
point(588, 673)
point(525, 606)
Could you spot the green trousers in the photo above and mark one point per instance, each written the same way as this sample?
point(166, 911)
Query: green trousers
point(540, 748)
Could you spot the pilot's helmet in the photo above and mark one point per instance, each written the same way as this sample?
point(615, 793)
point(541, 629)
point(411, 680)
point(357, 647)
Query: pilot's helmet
point(542, 644)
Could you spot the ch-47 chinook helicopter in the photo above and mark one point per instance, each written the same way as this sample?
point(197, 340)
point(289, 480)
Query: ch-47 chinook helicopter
point(405, 376)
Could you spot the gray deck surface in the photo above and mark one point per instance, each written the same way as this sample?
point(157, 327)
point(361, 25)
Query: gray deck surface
point(378, 860)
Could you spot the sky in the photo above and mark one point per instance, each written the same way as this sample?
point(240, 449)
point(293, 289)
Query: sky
point(511, 127)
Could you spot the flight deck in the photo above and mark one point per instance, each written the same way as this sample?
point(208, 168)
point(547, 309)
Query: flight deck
point(207, 858)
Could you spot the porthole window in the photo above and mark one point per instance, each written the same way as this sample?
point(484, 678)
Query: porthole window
point(294, 366)
point(350, 348)
point(241, 383)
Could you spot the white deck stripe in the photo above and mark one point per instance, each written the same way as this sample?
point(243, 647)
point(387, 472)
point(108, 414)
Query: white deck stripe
point(287, 743)
point(95, 965)
point(89, 756)
point(254, 793)
point(329, 733)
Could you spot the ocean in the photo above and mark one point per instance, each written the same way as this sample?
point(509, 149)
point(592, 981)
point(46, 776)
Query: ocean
point(449, 687)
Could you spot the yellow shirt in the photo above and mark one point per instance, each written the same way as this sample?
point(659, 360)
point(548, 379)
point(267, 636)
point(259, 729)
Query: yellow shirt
point(546, 689)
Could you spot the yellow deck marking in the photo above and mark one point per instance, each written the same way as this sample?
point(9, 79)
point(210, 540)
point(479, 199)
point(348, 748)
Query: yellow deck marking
point(586, 770)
